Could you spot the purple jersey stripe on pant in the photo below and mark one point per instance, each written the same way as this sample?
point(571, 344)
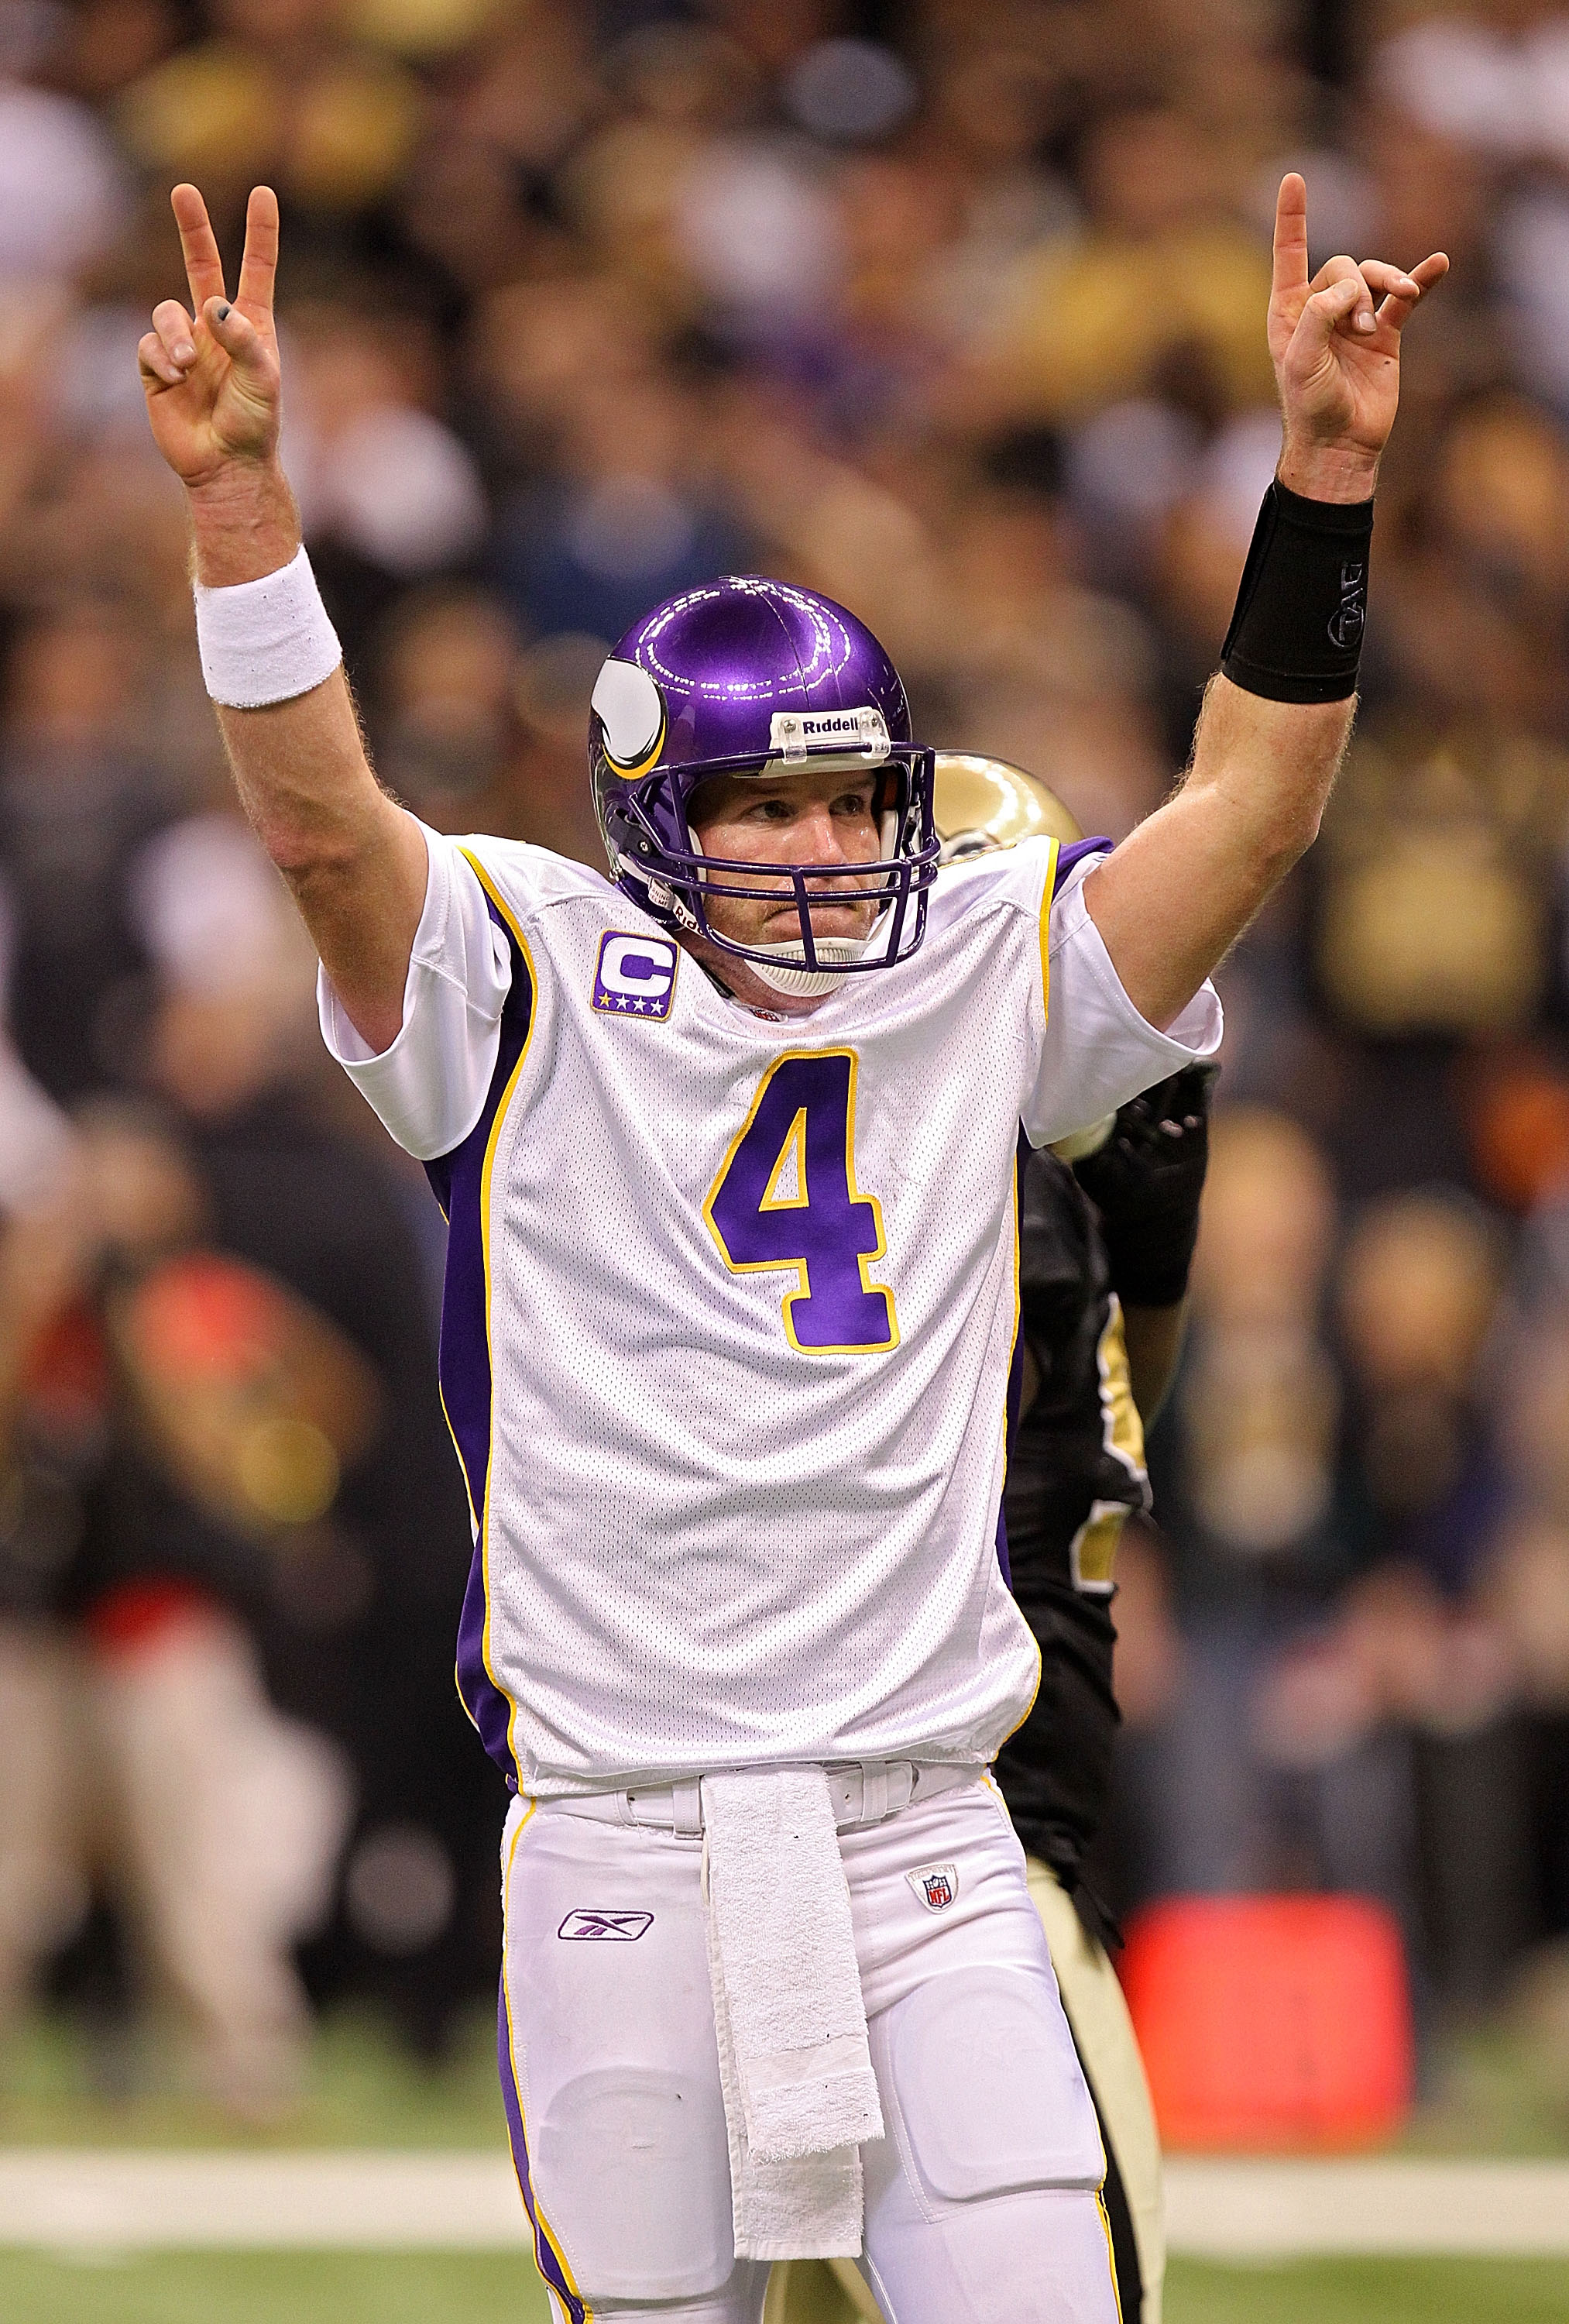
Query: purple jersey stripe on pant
point(545, 2254)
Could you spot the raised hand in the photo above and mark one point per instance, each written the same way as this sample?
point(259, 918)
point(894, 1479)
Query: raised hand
point(1335, 345)
point(211, 374)
point(356, 862)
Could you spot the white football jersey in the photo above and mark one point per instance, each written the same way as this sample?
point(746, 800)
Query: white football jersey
point(731, 1307)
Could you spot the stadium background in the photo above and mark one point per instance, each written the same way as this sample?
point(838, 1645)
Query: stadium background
point(955, 312)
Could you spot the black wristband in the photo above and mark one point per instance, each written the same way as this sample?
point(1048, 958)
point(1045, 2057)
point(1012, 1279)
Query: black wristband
point(1296, 635)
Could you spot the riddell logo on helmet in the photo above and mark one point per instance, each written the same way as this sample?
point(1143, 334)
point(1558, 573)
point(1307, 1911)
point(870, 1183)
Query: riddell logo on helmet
point(794, 733)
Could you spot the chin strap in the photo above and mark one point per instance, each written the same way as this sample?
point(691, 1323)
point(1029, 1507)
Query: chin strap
point(780, 965)
point(783, 965)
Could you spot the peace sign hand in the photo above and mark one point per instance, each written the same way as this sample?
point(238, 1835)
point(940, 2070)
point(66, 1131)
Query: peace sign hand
point(211, 376)
point(1336, 354)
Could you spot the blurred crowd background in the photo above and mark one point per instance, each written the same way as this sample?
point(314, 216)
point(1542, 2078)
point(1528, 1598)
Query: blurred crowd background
point(955, 312)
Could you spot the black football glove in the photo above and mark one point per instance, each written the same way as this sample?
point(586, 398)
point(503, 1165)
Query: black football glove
point(1146, 1182)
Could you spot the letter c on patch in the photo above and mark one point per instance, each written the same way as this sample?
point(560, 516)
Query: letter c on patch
point(654, 975)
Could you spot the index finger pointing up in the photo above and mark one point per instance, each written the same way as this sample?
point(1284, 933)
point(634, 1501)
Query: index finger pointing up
point(204, 269)
point(1290, 235)
point(259, 266)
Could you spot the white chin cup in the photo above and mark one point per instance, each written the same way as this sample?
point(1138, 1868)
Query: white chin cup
point(783, 968)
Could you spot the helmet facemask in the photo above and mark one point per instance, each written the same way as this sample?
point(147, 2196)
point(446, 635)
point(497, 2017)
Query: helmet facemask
point(753, 678)
point(648, 833)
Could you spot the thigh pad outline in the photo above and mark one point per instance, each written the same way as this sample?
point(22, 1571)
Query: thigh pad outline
point(632, 2166)
point(989, 2086)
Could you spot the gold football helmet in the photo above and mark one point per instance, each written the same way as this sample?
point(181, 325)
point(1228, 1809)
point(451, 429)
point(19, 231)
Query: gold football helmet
point(980, 804)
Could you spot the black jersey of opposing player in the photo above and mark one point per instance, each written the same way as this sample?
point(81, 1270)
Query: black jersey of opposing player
point(1075, 1473)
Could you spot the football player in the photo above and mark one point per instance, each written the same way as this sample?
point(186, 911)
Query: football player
point(727, 1142)
point(1098, 1279)
point(1105, 1246)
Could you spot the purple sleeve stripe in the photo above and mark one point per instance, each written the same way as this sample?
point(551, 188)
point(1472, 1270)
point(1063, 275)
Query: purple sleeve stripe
point(1067, 857)
point(548, 2258)
point(465, 1348)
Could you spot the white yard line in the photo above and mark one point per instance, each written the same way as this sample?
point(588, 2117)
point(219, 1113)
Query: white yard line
point(333, 2199)
point(322, 2201)
point(1224, 2208)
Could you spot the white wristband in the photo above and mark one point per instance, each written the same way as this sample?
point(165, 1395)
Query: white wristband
point(265, 640)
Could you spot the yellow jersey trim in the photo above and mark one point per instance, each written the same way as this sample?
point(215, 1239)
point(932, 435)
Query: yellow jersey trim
point(1110, 2251)
point(1048, 894)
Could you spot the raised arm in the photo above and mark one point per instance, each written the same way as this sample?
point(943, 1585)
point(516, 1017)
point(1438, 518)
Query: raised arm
point(1179, 890)
point(355, 861)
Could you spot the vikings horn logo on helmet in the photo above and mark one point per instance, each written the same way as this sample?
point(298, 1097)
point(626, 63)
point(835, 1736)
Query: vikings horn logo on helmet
point(747, 677)
point(630, 710)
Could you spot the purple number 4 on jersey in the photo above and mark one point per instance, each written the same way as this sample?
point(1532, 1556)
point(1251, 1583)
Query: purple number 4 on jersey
point(786, 1198)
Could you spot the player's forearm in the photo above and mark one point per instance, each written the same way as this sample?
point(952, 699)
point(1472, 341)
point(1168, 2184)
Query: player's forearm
point(304, 781)
point(243, 522)
point(1173, 899)
point(1185, 885)
point(299, 764)
point(355, 861)
point(1175, 896)
point(1154, 1336)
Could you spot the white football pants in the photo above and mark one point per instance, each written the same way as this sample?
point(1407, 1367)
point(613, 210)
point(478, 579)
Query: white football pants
point(982, 2203)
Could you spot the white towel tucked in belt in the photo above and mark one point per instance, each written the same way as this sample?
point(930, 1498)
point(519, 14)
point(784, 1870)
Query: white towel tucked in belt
point(799, 2090)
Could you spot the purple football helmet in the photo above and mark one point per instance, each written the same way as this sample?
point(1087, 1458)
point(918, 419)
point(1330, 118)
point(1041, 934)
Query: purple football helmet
point(742, 676)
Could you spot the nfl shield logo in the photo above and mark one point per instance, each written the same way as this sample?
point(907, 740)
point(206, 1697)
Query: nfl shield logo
point(936, 1885)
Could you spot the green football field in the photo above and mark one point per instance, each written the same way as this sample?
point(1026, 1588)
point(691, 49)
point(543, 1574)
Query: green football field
point(242, 2288)
point(1492, 2097)
point(1495, 2090)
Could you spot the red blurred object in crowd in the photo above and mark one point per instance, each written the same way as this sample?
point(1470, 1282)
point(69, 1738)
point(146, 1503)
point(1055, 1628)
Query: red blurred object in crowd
point(138, 1618)
point(1275, 2022)
point(1519, 1128)
point(66, 1378)
point(207, 1315)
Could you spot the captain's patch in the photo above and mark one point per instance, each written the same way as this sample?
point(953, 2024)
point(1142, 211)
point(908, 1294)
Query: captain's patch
point(635, 975)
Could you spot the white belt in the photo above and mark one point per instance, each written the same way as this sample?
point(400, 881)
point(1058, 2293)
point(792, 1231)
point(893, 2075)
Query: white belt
point(864, 1792)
